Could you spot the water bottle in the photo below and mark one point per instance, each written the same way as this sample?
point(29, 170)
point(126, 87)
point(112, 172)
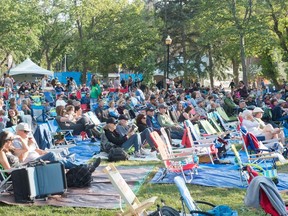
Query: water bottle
point(196, 159)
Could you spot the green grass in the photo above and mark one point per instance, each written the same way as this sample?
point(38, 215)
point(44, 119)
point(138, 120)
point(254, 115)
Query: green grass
point(167, 192)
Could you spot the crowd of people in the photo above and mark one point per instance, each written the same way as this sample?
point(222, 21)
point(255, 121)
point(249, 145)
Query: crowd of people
point(130, 117)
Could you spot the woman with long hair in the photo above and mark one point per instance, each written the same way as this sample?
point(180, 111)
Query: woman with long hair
point(7, 151)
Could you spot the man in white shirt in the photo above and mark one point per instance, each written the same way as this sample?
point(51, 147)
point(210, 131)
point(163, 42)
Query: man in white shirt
point(60, 101)
point(117, 83)
point(44, 82)
point(139, 93)
point(27, 149)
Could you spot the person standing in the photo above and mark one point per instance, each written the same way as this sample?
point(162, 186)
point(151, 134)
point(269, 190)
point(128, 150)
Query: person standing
point(232, 85)
point(8, 81)
point(44, 82)
point(117, 83)
point(95, 92)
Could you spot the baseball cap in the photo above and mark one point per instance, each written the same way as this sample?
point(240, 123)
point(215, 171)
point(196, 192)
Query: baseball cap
point(123, 117)
point(23, 127)
point(162, 106)
point(150, 108)
point(111, 121)
point(257, 109)
point(281, 101)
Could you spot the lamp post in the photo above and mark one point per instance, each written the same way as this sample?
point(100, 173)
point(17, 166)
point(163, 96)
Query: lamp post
point(168, 42)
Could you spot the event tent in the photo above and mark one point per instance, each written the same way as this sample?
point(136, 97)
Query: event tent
point(29, 67)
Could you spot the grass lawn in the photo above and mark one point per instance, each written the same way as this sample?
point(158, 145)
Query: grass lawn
point(167, 192)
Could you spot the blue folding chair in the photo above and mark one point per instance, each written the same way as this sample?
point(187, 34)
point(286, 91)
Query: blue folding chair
point(55, 129)
point(38, 113)
point(49, 97)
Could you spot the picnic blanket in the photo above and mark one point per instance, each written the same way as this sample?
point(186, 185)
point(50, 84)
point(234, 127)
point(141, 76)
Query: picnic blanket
point(84, 151)
point(101, 193)
point(221, 176)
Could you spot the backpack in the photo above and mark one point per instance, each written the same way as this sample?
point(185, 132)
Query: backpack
point(106, 145)
point(79, 176)
point(117, 154)
point(165, 210)
point(222, 210)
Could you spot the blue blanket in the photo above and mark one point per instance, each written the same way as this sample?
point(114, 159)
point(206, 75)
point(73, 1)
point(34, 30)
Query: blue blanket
point(84, 151)
point(222, 176)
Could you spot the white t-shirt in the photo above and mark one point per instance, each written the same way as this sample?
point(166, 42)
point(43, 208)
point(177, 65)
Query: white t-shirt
point(60, 103)
point(32, 154)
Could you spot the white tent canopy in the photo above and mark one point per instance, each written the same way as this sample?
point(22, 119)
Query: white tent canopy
point(29, 67)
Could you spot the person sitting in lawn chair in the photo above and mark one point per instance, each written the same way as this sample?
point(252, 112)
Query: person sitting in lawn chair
point(123, 128)
point(253, 126)
point(22, 148)
point(164, 120)
point(68, 122)
point(126, 141)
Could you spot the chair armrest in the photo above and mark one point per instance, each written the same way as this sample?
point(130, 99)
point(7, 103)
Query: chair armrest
point(205, 141)
point(176, 159)
point(145, 204)
point(206, 145)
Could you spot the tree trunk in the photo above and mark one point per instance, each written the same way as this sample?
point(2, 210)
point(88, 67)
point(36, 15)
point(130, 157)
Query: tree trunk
point(243, 59)
point(210, 68)
point(47, 59)
point(84, 73)
point(235, 65)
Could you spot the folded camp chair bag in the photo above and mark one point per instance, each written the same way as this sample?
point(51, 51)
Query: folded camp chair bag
point(38, 182)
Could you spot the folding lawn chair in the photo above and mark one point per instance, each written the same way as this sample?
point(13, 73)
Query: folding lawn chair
point(38, 113)
point(262, 192)
point(49, 97)
point(10, 129)
point(135, 207)
point(224, 115)
point(214, 122)
point(5, 180)
point(175, 162)
point(246, 170)
point(260, 149)
point(196, 132)
point(209, 129)
point(201, 147)
point(55, 129)
point(193, 206)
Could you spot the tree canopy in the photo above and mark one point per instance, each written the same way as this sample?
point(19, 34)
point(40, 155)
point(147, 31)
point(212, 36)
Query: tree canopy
point(104, 35)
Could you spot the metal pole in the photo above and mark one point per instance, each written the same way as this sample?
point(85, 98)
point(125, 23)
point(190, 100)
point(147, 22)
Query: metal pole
point(168, 56)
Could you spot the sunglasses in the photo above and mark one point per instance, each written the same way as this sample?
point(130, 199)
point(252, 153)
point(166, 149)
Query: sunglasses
point(26, 132)
point(9, 139)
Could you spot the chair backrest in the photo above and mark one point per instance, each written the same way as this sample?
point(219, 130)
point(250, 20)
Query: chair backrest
point(185, 194)
point(222, 113)
point(121, 186)
point(193, 131)
point(220, 119)
point(250, 140)
point(53, 125)
point(10, 129)
point(48, 96)
point(93, 118)
point(216, 125)
point(162, 148)
point(187, 139)
point(208, 127)
point(166, 139)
